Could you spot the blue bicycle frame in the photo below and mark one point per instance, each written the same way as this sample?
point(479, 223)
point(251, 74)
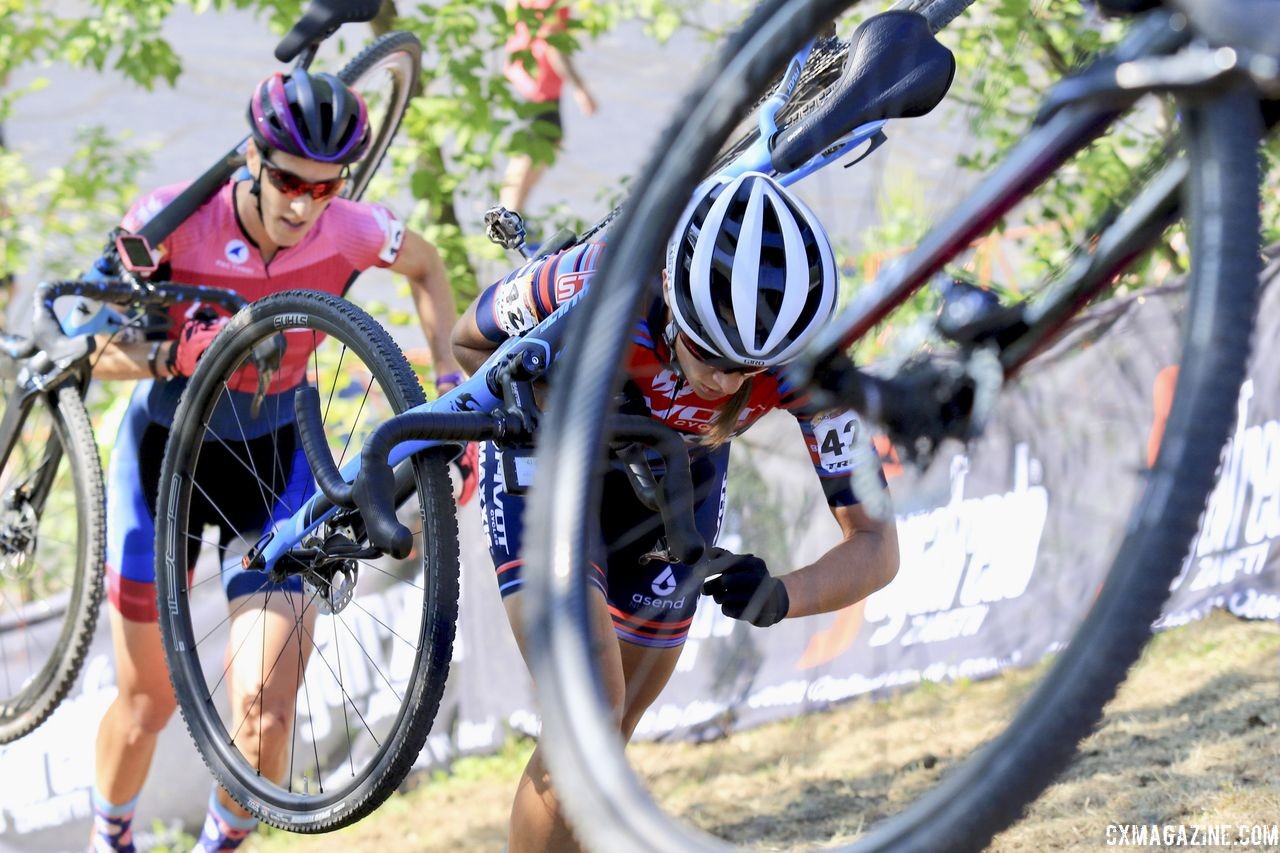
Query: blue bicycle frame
point(478, 395)
point(759, 156)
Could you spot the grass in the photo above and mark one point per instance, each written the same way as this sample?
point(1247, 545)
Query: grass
point(1191, 738)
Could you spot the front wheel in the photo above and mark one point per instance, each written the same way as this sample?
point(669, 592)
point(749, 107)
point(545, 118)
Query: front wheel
point(51, 556)
point(310, 693)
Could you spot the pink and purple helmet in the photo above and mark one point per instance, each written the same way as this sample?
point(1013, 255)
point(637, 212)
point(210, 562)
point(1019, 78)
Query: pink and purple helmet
point(309, 115)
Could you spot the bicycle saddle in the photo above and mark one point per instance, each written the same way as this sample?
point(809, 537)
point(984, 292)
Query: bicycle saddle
point(898, 70)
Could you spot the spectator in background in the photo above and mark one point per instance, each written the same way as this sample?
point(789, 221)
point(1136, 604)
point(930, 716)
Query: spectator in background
point(542, 86)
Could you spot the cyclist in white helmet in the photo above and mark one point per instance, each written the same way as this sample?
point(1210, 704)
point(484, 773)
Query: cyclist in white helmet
point(750, 278)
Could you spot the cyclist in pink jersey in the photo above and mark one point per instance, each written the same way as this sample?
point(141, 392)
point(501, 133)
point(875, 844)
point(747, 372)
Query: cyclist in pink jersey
point(552, 68)
point(283, 228)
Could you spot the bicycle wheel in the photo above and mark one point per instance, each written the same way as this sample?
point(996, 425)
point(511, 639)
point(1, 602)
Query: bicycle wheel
point(386, 74)
point(51, 556)
point(355, 671)
point(954, 801)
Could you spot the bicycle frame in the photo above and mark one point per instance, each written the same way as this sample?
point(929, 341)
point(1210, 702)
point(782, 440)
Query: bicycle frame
point(478, 395)
point(758, 157)
point(1073, 125)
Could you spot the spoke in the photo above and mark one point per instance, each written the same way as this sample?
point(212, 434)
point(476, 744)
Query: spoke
point(266, 504)
point(346, 722)
point(262, 487)
point(232, 657)
point(333, 388)
point(293, 729)
point(231, 615)
point(372, 662)
point(393, 576)
point(218, 509)
point(356, 604)
point(351, 433)
point(345, 695)
point(267, 676)
point(306, 691)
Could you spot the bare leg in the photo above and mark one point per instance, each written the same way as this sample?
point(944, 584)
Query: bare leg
point(271, 649)
point(632, 677)
point(143, 705)
point(518, 180)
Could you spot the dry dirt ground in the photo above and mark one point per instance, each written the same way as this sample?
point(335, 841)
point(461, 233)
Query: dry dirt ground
point(1190, 739)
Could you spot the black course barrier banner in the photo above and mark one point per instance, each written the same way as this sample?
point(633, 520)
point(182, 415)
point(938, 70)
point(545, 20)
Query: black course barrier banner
point(1004, 545)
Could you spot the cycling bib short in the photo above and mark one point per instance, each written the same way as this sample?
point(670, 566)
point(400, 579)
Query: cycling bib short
point(241, 488)
point(651, 601)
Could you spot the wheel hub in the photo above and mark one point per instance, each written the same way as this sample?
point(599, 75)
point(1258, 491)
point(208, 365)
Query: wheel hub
point(18, 527)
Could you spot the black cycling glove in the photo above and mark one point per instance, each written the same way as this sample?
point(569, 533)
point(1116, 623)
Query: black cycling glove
point(745, 589)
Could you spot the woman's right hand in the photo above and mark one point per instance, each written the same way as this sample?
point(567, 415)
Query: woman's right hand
point(194, 338)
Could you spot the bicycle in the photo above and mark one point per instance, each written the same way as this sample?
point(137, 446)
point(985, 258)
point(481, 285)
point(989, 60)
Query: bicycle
point(51, 484)
point(1220, 62)
point(351, 754)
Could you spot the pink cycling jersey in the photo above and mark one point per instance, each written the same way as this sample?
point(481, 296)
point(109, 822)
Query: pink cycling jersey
point(545, 85)
point(212, 248)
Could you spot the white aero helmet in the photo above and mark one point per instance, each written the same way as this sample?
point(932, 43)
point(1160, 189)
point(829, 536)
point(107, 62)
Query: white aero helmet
point(751, 272)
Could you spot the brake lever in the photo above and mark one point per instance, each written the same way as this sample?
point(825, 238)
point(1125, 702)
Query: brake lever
point(266, 357)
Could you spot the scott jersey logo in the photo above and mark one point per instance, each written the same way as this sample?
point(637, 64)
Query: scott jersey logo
point(392, 232)
point(236, 251)
point(568, 285)
point(665, 583)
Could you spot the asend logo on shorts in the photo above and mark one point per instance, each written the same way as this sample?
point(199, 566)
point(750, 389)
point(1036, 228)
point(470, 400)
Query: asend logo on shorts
point(663, 585)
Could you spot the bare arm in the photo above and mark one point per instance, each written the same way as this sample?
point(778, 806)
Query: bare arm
point(420, 262)
point(469, 346)
point(563, 65)
point(114, 360)
point(865, 560)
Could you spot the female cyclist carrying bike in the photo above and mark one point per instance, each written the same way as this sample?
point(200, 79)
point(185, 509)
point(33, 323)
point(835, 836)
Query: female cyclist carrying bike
point(750, 278)
point(281, 229)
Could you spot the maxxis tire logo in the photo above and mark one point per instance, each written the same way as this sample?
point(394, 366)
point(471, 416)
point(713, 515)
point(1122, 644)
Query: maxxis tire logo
point(281, 321)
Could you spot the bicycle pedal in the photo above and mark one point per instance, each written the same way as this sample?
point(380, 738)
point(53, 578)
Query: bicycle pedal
point(504, 227)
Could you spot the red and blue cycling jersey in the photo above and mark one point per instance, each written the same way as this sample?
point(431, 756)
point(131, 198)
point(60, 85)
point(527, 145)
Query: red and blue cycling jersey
point(517, 302)
point(650, 600)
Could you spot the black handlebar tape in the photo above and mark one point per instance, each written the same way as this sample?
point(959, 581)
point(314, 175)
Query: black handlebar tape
point(322, 18)
point(675, 495)
point(374, 490)
point(306, 410)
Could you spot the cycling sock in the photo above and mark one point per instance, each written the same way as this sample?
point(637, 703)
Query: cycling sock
point(222, 829)
point(112, 825)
